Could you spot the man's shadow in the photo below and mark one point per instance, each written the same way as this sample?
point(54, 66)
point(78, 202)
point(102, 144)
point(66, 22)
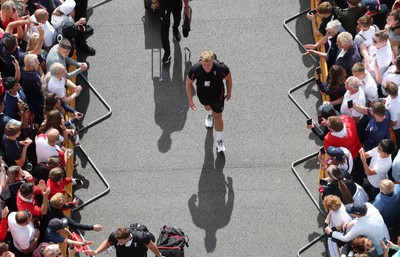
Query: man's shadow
point(170, 99)
point(214, 207)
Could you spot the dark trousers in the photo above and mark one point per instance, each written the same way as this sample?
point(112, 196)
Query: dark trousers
point(80, 12)
point(165, 14)
point(80, 9)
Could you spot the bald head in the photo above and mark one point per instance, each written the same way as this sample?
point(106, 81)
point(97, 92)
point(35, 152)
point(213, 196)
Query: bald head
point(41, 15)
point(22, 218)
point(352, 84)
point(52, 136)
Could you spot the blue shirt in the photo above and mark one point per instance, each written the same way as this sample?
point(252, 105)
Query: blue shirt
point(376, 131)
point(52, 236)
point(389, 207)
point(11, 104)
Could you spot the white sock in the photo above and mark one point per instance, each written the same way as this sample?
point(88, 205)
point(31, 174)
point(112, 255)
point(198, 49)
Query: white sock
point(219, 135)
point(209, 112)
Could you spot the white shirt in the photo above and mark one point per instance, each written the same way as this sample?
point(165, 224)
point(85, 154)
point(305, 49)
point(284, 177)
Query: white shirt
point(57, 86)
point(388, 76)
point(380, 165)
point(370, 87)
point(347, 166)
point(58, 21)
point(358, 98)
point(339, 217)
point(371, 226)
point(341, 134)
point(22, 235)
point(49, 32)
point(43, 149)
point(365, 36)
point(393, 106)
point(382, 55)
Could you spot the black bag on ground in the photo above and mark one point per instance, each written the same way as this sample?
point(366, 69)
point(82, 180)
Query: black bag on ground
point(171, 242)
point(143, 228)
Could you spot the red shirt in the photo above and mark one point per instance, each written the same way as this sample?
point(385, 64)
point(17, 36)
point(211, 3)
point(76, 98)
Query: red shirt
point(351, 141)
point(57, 187)
point(31, 207)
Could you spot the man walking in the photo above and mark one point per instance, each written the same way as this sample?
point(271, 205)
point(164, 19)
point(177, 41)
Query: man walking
point(127, 242)
point(209, 74)
point(166, 8)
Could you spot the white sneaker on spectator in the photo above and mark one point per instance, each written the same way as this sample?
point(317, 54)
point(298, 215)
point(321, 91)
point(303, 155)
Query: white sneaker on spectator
point(220, 146)
point(209, 121)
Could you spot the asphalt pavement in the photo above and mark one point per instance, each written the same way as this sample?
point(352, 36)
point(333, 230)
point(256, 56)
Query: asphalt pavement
point(158, 158)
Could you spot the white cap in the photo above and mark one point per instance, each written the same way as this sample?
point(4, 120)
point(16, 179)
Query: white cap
point(67, 6)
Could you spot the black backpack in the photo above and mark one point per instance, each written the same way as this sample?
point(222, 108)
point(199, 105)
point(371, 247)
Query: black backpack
point(143, 228)
point(171, 242)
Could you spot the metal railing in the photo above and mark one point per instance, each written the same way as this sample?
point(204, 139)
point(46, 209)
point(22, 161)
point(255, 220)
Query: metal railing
point(308, 157)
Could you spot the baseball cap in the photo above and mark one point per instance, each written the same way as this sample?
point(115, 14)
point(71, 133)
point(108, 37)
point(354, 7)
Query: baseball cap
point(370, 5)
point(357, 208)
point(67, 7)
point(335, 152)
point(327, 111)
point(57, 224)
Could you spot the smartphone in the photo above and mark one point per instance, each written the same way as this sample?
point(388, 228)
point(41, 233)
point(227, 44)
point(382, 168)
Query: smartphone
point(313, 12)
point(309, 121)
point(350, 104)
point(78, 182)
point(13, 57)
point(35, 23)
point(318, 70)
point(322, 150)
point(323, 182)
point(320, 119)
point(384, 241)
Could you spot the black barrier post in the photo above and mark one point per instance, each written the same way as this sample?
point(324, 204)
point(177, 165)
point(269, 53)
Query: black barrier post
point(293, 35)
point(292, 90)
point(294, 164)
point(100, 176)
point(105, 116)
point(313, 242)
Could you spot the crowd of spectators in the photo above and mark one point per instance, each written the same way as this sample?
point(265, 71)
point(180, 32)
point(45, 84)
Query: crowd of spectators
point(359, 124)
point(37, 42)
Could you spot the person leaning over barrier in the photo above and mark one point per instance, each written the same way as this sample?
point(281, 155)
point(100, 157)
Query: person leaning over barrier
point(323, 10)
point(128, 242)
point(368, 222)
point(59, 53)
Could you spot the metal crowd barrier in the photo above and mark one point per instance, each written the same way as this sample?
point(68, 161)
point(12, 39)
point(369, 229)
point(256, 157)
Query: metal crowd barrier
point(308, 157)
point(83, 152)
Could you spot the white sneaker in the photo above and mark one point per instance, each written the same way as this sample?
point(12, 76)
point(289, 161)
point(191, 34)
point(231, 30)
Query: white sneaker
point(220, 146)
point(209, 121)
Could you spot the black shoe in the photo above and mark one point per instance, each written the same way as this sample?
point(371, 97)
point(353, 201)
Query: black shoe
point(167, 58)
point(177, 35)
point(87, 49)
